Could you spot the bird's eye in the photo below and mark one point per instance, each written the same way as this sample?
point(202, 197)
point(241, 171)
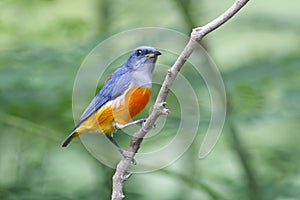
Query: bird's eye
point(138, 52)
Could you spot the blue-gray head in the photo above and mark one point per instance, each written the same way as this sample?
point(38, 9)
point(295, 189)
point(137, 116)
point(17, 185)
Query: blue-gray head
point(143, 57)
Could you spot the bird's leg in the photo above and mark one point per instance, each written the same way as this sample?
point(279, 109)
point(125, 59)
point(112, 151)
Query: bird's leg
point(122, 151)
point(116, 144)
point(121, 126)
point(142, 121)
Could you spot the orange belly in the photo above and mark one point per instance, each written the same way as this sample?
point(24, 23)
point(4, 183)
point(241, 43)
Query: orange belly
point(120, 110)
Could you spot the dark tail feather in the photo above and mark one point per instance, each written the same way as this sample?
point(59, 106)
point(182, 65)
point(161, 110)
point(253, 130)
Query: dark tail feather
point(69, 138)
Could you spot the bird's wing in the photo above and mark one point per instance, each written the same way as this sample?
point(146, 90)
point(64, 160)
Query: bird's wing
point(115, 86)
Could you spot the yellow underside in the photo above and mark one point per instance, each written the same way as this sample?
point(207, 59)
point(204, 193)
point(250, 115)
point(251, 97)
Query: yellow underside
point(121, 112)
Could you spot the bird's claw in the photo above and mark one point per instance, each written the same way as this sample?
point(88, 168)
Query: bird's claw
point(133, 161)
point(147, 130)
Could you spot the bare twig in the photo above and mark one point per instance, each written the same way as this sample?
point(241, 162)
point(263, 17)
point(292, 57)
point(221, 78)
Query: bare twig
point(159, 107)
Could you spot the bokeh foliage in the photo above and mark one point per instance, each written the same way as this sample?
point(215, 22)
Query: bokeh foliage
point(42, 46)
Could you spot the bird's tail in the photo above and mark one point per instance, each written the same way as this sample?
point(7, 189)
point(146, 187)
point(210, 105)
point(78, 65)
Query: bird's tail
point(70, 138)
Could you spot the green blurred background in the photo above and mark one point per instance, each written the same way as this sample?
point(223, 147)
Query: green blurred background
point(43, 43)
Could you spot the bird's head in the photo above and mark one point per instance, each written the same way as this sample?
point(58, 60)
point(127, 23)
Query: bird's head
point(143, 57)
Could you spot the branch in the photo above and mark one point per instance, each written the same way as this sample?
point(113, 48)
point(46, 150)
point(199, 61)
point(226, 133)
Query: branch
point(159, 107)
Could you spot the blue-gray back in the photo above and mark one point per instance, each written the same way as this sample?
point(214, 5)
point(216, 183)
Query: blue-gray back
point(115, 86)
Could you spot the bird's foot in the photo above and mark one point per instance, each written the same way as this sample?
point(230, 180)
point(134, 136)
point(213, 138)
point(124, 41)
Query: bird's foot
point(147, 130)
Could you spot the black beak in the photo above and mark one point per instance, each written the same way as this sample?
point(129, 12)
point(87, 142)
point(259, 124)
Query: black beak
point(153, 54)
point(158, 53)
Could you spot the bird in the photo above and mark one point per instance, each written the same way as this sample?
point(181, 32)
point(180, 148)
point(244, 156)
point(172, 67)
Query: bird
point(125, 93)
